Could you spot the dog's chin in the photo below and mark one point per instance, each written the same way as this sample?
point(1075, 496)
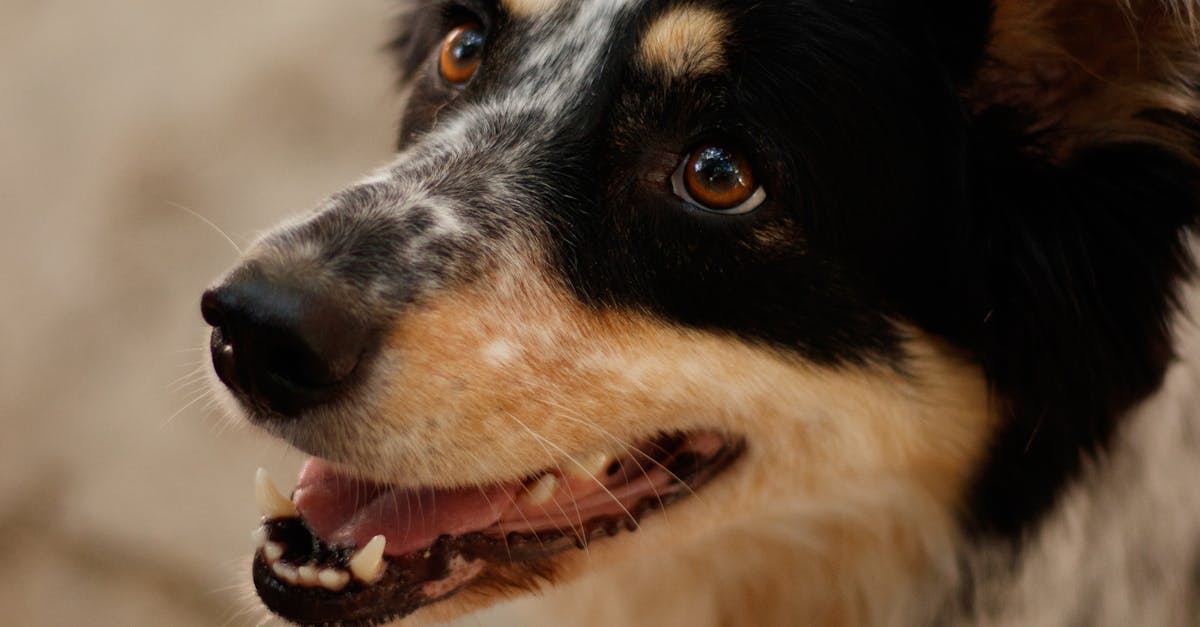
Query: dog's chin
point(347, 550)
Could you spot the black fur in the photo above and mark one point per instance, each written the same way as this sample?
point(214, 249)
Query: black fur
point(1076, 271)
point(888, 202)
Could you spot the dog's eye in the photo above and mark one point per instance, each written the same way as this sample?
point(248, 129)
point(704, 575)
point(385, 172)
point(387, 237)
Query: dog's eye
point(462, 52)
point(718, 179)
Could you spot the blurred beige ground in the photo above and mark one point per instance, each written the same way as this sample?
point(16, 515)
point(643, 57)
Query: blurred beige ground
point(124, 498)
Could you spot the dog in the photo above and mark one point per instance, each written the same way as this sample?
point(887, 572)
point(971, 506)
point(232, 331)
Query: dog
point(822, 312)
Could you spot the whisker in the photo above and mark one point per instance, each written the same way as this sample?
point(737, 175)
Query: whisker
point(209, 223)
point(202, 395)
point(627, 446)
point(657, 496)
point(407, 512)
point(529, 523)
point(433, 504)
point(184, 351)
point(581, 532)
point(578, 417)
point(517, 507)
point(492, 506)
point(228, 419)
point(196, 374)
point(395, 500)
point(188, 388)
point(238, 615)
point(598, 482)
point(420, 506)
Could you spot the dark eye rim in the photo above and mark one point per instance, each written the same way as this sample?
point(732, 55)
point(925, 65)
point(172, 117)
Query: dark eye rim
point(680, 187)
point(456, 14)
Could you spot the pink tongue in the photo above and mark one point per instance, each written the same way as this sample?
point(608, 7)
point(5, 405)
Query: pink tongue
point(349, 512)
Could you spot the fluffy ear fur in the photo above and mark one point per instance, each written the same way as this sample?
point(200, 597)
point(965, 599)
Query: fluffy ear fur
point(1092, 70)
point(1083, 131)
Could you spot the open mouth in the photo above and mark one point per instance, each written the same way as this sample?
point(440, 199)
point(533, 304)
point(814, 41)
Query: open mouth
point(354, 552)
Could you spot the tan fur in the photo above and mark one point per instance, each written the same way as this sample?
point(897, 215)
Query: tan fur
point(530, 8)
point(850, 481)
point(1088, 67)
point(685, 42)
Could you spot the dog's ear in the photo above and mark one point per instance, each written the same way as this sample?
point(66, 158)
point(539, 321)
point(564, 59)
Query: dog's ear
point(960, 30)
point(1085, 180)
point(1097, 67)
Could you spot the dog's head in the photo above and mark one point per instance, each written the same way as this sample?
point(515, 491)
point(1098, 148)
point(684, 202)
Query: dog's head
point(824, 263)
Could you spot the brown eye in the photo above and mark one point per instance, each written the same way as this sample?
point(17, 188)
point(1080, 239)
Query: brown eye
point(719, 179)
point(462, 52)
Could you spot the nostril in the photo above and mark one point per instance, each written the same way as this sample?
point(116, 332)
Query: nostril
point(210, 309)
point(281, 346)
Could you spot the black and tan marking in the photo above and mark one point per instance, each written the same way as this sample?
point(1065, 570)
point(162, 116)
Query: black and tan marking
point(685, 42)
point(955, 281)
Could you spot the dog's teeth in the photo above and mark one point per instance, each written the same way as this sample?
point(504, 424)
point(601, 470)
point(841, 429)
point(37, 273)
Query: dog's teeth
point(271, 503)
point(588, 466)
point(259, 536)
point(367, 563)
point(308, 575)
point(272, 551)
point(285, 572)
point(333, 579)
point(541, 491)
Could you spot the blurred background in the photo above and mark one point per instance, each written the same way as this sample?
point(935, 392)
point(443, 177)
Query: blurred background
point(126, 126)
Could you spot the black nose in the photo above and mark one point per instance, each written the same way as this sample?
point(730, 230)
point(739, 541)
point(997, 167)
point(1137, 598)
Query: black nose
point(282, 348)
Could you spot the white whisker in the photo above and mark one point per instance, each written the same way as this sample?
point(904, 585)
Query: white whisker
point(198, 398)
point(209, 223)
point(581, 531)
point(632, 518)
point(579, 418)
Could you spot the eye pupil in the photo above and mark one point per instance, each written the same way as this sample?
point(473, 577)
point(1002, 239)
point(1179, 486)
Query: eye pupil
point(462, 52)
point(468, 46)
point(716, 169)
point(718, 178)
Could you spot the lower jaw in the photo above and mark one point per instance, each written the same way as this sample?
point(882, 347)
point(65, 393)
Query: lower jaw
point(487, 559)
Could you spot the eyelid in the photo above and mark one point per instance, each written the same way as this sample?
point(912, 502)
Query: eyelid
point(460, 11)
point(463, 12)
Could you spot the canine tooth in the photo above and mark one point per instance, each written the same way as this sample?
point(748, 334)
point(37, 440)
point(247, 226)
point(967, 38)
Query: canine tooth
point(271, 503)
point(308, 575)
point(589, 466)
point(541, 491)
point(272, 551)
point(367, 563)
point(285, 572)
point(333, 579)
point(259, 536)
